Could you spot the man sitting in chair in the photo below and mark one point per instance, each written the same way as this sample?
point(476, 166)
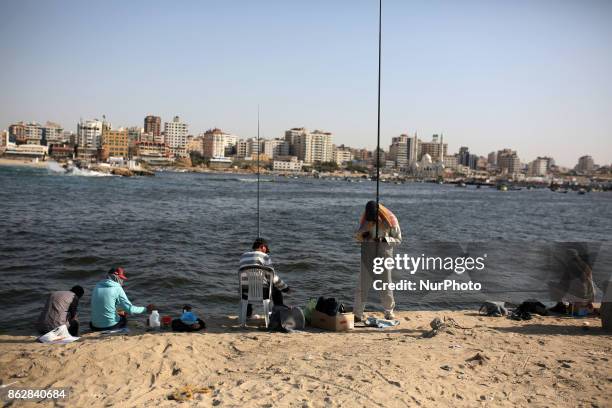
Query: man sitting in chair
point(260, 256)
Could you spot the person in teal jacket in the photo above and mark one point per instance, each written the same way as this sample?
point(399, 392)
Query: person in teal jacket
point(107, 297)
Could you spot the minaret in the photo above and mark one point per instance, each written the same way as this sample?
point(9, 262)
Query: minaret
point(441, 148)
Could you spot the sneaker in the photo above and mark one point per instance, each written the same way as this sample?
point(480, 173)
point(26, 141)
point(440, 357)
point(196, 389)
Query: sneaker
point(389, 315)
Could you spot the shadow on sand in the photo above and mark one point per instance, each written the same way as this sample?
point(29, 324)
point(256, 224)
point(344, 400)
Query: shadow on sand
point(220, 325)
point(554, 329)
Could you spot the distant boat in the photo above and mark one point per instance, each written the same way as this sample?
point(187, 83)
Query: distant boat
point(582, 191)
point(502, 187)
point(461, 184)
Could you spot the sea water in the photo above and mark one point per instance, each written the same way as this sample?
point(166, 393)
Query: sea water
point(179, 236)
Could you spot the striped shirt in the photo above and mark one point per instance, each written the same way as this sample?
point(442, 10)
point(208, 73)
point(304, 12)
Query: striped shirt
point(258, 258)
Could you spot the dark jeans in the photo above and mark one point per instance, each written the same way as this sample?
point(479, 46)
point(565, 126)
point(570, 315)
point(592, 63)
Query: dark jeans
point(121, 324)
point(73, 328)
point(179, 326)
point(277, 298)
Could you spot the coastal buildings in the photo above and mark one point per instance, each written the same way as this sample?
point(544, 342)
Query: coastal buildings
point(214, 143)
point(115, 142)
point(89, 133)
point(292, 164)
point(403, 150)
point(17, 133)
point(299, 149)
point(342, 155)
point(585, 165)
point(26, 151)
point(247, 148)
point(467, 159)
point(451, 162)
point(275, 147)
point(196, 145)
point(152, 149)
point(436, 149)
point(152, 125)
point(492, 159)
point(52, 133)
point(35, 133)
point(508, 162)
point(217, 143)
point(175, 135)
point(310, 147)
point(541, 166)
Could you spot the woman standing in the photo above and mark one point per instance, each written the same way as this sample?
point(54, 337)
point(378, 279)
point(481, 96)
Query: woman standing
point(376, 241)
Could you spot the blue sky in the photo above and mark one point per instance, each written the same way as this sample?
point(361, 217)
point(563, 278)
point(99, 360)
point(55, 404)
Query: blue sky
point(531, 75)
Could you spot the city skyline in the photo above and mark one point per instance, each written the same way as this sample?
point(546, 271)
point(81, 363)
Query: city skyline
point(534, 80)
point(161, 133)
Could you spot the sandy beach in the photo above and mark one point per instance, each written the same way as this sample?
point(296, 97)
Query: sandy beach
point(477, 361)
point(22, 163)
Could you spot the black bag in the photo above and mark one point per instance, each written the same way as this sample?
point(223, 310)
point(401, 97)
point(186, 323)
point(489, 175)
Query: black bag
point(534, 307)
point(329, 306)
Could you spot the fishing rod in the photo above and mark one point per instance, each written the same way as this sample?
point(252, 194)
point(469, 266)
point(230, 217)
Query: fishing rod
point(258, 149)
point(378, 122)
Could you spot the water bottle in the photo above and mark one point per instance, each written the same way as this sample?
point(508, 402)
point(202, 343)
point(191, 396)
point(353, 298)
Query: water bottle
point(154, 320)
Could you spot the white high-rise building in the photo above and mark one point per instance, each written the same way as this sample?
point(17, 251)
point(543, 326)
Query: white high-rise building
point(342, 155)
point(89, 134)
point(53, 133)
point(175, 133)
point(310, 147)
point(540, 166)
point(33, 133)
point(215, 143)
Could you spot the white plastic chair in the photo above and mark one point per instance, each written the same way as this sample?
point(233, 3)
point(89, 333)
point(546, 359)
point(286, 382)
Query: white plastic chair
point(252, 278)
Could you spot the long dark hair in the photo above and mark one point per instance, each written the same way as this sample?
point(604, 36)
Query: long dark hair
point(370, 211)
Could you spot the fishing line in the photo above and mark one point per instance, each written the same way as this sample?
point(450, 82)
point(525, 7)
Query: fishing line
point(258, 149)
point(378, 122)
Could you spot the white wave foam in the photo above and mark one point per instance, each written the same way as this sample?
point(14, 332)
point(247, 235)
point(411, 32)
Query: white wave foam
point(56, 168)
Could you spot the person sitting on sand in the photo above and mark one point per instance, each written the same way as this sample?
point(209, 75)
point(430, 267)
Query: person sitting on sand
point(188, 322)
point(61, 308)
point(373, 246)
point(107, 297)
point(260, 256)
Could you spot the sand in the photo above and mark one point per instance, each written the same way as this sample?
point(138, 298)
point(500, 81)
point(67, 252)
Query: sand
point(548, 361)
point(22, 163)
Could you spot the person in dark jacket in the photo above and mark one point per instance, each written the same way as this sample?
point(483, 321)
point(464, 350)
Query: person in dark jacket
point(61, 308)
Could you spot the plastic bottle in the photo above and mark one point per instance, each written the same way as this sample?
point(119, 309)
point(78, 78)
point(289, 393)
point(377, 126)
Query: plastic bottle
point(154, 320)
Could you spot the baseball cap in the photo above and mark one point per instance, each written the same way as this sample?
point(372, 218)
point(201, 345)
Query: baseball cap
point(119, 272)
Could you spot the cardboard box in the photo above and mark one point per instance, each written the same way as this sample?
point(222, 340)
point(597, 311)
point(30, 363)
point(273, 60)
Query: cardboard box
point(340, 322)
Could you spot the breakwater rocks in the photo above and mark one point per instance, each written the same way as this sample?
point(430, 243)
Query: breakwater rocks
point(123, 171)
